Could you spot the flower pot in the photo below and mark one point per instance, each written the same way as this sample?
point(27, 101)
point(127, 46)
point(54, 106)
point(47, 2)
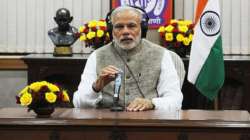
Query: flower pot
point(44, 112)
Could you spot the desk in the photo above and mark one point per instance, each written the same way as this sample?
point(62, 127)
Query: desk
point(12, 62)
point(92, 124)
point(67, 70)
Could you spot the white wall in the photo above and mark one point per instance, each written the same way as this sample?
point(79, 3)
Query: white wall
point(11, 83)
point(24, 23)
point(235, 23)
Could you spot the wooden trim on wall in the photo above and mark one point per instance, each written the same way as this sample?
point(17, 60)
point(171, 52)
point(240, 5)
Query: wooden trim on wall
point(12, 63)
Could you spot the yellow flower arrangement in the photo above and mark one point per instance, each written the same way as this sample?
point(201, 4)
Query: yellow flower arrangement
point(42, 94)
point(94, 33)
point(177, 35)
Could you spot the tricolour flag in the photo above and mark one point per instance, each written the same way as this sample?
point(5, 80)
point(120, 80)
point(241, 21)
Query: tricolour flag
point(206, 65)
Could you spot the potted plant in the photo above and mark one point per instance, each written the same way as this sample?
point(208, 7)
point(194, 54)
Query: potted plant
point(94, 34)
point(42, 97)
point(177, 36)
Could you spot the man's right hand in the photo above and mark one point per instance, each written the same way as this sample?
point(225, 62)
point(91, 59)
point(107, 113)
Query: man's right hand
point(106, 75)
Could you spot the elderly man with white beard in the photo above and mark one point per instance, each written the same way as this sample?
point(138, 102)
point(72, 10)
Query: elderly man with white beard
point(150, 80)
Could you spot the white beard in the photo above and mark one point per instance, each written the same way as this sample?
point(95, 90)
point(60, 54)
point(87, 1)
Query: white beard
point(129, 46)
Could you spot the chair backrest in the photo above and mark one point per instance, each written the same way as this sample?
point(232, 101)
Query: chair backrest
point(179, 66)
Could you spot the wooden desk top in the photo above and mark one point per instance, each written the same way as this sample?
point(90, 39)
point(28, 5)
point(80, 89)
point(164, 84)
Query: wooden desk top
point(51, 57)
point(154, 118)
point(85, 56)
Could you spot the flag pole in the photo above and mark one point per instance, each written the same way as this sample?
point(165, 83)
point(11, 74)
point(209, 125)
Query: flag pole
point(216, 103)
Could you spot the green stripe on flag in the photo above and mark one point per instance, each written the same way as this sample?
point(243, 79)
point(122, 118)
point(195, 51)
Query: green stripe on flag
point(212, 74)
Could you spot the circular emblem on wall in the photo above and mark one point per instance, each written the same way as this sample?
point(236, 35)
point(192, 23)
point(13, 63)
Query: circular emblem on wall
point(154, 6)
point(210, 23)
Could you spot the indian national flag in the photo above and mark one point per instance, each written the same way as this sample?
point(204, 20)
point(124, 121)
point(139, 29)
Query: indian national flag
point(206, 65)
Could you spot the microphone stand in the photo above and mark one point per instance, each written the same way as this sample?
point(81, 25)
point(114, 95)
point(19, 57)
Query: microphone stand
point(116, 107)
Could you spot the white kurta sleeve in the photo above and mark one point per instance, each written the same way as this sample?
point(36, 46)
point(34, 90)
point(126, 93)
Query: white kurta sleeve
point(170, 95)
point(85, 96)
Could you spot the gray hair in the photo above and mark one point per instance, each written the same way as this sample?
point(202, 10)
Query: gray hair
point(126, 8)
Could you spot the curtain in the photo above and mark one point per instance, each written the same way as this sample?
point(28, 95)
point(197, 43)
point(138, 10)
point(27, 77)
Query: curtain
point(24, 23)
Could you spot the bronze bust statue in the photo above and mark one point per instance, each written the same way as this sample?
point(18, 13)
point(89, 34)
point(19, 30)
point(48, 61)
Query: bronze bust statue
point(64, 35)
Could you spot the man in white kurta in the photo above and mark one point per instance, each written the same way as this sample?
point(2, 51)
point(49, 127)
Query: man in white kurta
point(150, 80)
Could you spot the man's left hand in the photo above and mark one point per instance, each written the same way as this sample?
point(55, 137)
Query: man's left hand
point(140, 104)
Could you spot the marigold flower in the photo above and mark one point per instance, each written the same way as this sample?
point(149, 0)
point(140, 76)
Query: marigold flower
point(65, 96)
point(182, 23)
point(161, 29)
point(100, 33)
point(91, 35)
point(43, 83)
point(92, 24)
point(101, 23)
point(83, 37)
point(50, 97)
point(53, 88)
point(190, 36)
point(169, 28)
point(169, 36)
point(186, 41)
point(179, 37)
point(183, 29)
point(187, 22)
point(35, 86)
point(26, 99)
point(107, 34)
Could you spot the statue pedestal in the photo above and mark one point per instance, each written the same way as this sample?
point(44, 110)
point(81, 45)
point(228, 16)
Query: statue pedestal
point(62, 51)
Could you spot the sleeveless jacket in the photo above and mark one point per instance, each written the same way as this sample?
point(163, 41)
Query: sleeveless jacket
point(145, 63)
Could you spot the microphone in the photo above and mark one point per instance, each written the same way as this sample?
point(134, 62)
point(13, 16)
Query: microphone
point(117, 86)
